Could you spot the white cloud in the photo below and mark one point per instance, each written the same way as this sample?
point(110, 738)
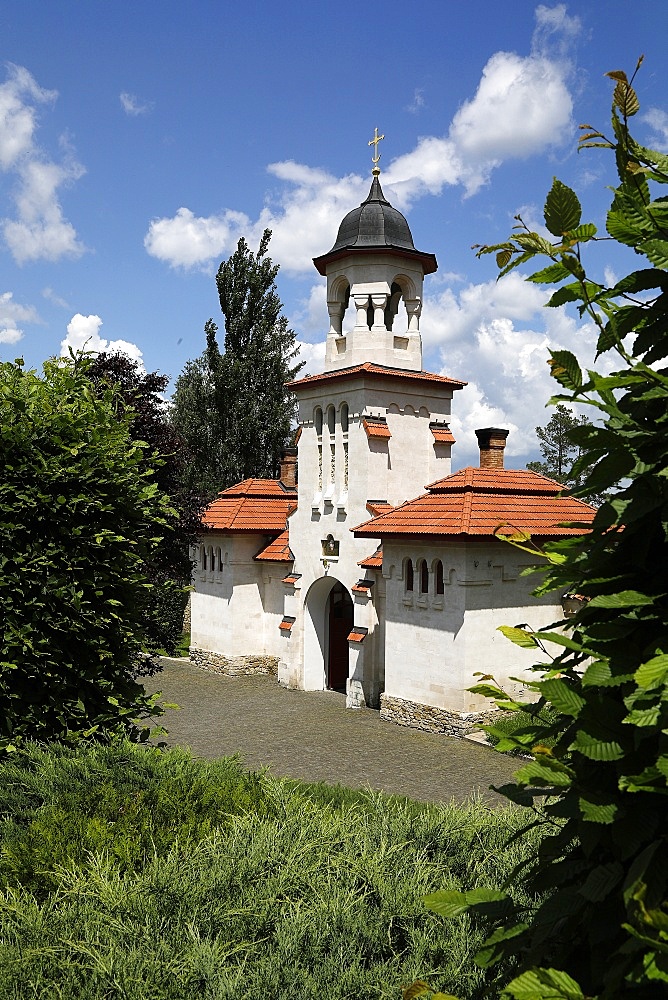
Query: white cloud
point(522, 107)
point(51, 296)
point(499, 335)
point(18, 117)
point(11, 315)
point(450, 317)
point(657, 119)
point(417, 103)
point(133, 106)
point(187, 240)
point(555, 30)
point(83, 334)
point(310, 317)
point(39, 230)
point(313, 355)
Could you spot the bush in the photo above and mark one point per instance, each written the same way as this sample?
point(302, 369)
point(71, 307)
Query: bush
point(601, 929)
point(80, 518)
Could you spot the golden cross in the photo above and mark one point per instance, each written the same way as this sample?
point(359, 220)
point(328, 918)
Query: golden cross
point(375, 159)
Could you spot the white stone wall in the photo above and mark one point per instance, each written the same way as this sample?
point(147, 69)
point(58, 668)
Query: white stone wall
point(395, 470)
point(236, 611)
point(435, 644)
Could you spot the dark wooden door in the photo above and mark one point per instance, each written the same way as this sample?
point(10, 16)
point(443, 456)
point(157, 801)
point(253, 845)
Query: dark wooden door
point(340, 624)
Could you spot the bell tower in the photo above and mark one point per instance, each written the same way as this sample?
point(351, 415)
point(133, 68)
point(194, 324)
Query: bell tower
point(374, 264)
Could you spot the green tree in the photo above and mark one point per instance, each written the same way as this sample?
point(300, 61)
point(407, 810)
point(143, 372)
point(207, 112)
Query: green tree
point(557, 447)
point(600, 928)
point(139, 396)
point(81, 515)
point(232, 406)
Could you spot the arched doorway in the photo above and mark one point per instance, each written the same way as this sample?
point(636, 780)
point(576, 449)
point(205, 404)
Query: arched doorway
point(340, 614)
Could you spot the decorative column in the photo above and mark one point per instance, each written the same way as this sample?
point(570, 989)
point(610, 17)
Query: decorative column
point(413, 308)
point(379, 303)
point(335, 310)
point(361, 305)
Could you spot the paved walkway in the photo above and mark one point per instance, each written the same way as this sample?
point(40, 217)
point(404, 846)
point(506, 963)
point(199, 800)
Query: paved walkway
point(311, 735)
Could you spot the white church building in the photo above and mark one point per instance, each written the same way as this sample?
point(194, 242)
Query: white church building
point(368, 567)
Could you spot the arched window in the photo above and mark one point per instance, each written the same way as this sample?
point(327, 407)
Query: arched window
point(344, 417)
point(424, 577)
point(317, 420)
point(219, 567)
point(440, 588)
point(203, 556)
point(331, 420)
point(409, 575)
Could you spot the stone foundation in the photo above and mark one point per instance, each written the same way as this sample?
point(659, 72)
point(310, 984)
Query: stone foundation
point(431, 719)
point(234, 666)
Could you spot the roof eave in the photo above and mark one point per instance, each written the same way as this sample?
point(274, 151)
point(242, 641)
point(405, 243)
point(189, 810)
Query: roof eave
point(428, 260)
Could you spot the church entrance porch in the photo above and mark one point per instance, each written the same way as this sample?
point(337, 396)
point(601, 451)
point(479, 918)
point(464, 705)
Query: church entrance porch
point(340, 621)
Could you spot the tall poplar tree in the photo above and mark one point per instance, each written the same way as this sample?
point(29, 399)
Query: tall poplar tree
point(232, 405)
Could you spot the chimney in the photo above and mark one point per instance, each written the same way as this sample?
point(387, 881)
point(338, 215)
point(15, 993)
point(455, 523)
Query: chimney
point(492, 441)
point(288, 474)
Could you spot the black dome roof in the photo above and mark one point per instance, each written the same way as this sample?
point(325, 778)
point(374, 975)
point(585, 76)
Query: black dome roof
point(374, 224)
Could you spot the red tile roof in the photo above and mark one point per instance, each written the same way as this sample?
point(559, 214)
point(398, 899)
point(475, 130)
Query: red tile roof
point(377, 507)
point(291, 578)
point(376, 428)
point(278, 550)
point(378, 371)
point(374, 561)
point(287, 623)
point(442, 433)
point(358, 634)
point(261, 505)
point(362, 587)
point(478, 501)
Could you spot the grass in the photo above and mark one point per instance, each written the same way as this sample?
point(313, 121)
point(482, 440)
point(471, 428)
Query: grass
point(520, 725)
point(143, 874)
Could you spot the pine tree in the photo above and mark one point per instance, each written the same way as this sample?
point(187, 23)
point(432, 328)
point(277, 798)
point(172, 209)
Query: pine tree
point(557, 447)
point(232, 406)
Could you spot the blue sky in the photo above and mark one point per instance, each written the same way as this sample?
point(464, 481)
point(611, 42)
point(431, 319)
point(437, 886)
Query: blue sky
point(139, 141)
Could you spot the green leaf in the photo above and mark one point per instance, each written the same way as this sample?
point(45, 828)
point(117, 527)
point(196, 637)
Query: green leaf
point(596, 812)
point(653, 672)
point(569, 293)
point(562, 209)
point(503, 257)
point(626, 99)
point(643, 716)
point(497, 945)
point(545, 771)
point(596, 749)
point(447, 902)
point(624, 599)
point(565, 369)
point(519, 636)
point(543, 984)
point(452, 903)
point(417, 989)
point(601, 881)
point(562, 695)
point(582, 233)
point(655, 250)
point(548, 275)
